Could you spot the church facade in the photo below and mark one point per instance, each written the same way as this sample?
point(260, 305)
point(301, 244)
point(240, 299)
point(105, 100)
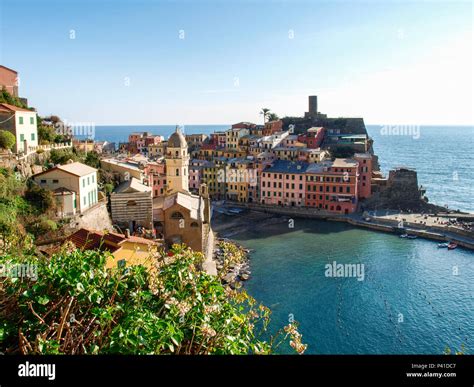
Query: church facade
point(185, 217)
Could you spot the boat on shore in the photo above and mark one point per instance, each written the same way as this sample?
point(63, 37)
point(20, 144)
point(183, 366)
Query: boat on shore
point(452, 246)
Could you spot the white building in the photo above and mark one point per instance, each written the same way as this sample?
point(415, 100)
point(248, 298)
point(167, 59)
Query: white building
point(74, 185)
point(22, 124)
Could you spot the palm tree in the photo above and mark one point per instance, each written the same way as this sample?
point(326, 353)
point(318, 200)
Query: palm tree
point(272, 117)
point(265, 112)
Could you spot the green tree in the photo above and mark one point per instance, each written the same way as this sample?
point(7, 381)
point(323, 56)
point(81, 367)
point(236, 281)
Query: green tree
point(272, 116)
point(40, 198)
point(7, 139)
point(62, 156)
point(93, 159)
point(46, 134)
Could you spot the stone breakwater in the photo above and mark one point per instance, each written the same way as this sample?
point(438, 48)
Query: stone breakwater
point(232, 263)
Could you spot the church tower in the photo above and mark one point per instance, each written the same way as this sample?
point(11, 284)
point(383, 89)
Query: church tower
point(177, 163)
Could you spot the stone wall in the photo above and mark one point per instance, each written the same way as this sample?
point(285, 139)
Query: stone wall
point(95, 218)
point(400, 193)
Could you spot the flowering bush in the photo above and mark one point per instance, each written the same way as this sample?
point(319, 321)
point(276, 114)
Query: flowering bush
point(77, 306)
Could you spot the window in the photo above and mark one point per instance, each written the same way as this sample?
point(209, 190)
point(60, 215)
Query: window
point(20, 120)
point(194, 224)
point(83, 183)
point(177, 215)
point(43, 181)
point(32, 120)
point(88, 180)
point(131, 203)
point(177, 172)
point(22, 137)
point(55, 181)
point(32, 137)
point(93, 178)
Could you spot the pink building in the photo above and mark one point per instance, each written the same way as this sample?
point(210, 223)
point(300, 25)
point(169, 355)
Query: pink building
point(283, 183)
point(195, 174)
point(155, 175)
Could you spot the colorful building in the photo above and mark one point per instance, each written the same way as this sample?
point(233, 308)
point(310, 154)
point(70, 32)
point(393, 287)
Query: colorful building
point(283, 183)
point(22, 124)
point(333, 185)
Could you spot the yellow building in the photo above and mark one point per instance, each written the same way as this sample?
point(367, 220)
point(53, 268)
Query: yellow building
point(125, 250)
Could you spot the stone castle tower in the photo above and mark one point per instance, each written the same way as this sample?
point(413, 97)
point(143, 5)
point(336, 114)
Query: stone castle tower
point(177, 163)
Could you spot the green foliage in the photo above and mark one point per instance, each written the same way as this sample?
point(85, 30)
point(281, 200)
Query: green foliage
point(108, 188)
point(77, 306)
point(22, 207)
point(46, 134)
point(41, 225)
point(61, 156)
point(6, 97)
point(342, 152)
point(92, 159)
point(7, 139)
point(272, 116)
point(40, 198)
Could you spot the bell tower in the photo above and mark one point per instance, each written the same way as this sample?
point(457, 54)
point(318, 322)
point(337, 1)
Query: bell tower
point(177, 163)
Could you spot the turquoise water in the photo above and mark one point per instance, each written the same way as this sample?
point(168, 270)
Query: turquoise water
point(404, 279)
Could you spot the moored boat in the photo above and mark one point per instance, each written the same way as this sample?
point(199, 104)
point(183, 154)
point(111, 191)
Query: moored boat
point(412, 236)
point(404, 236)
point(443, 245)
point(452, 246)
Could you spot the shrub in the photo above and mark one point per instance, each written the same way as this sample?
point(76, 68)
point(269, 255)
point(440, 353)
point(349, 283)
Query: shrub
point(40, 198)
point(77, 306)
point(7, 139)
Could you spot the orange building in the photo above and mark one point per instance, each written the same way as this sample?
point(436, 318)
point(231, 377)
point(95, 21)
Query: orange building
point(333, 186)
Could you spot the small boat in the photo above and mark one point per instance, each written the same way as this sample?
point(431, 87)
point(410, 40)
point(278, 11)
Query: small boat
point(443, 245)
point(404, 236)
point(452, 246)
point(412, 236)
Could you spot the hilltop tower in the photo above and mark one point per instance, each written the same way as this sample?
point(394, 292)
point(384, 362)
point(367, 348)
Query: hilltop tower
point(177, 163)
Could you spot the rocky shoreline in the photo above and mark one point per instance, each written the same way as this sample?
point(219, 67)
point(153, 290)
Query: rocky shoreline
point(232, 262)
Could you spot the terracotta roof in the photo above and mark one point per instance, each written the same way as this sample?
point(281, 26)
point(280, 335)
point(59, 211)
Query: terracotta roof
point(88, 240)
point(91, 240)
point(9, 69)
point(13, 108)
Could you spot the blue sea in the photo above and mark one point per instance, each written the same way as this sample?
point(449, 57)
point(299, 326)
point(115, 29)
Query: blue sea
point(415, 297)
point(442, 155)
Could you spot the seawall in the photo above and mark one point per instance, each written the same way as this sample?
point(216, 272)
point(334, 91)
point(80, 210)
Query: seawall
point(437, 233)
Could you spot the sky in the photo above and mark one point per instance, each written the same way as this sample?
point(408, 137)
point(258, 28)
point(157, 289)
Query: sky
point(219, 62)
